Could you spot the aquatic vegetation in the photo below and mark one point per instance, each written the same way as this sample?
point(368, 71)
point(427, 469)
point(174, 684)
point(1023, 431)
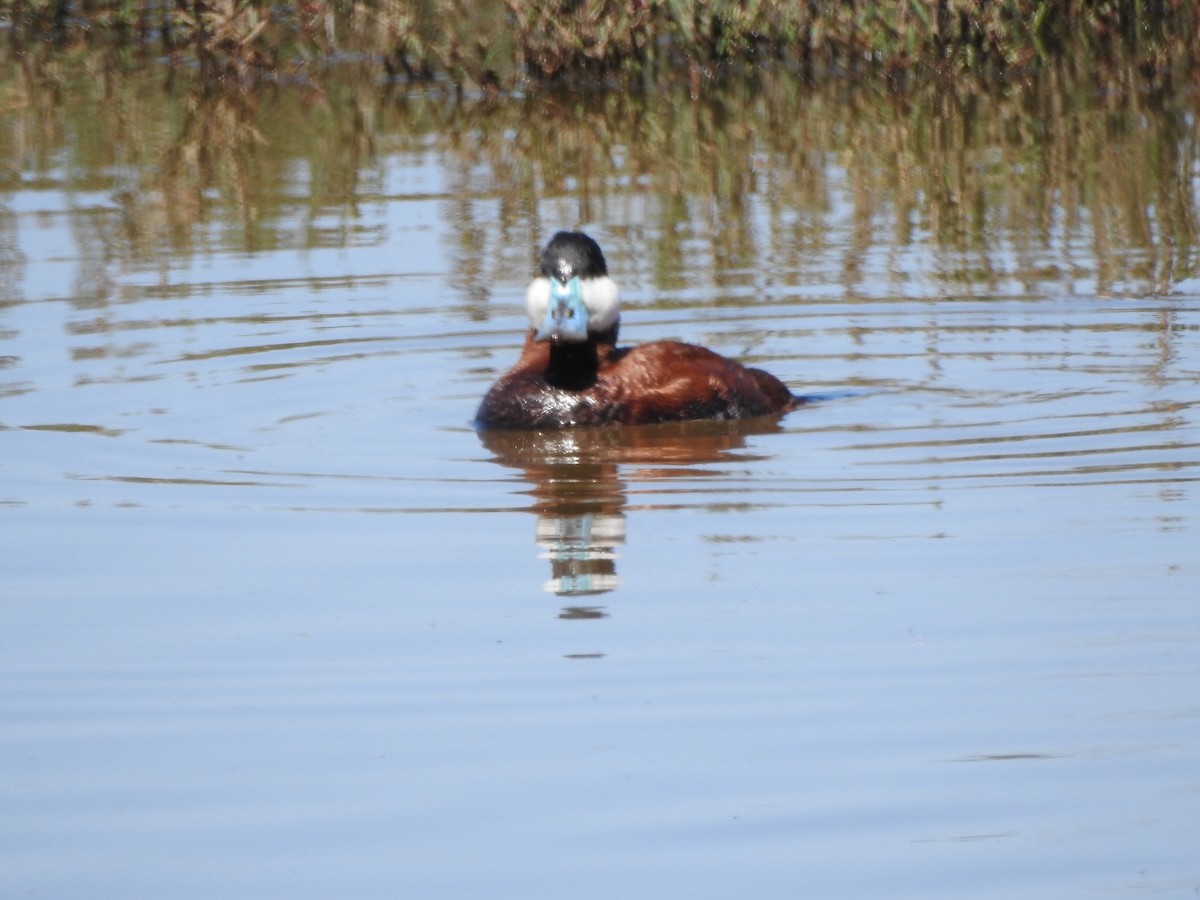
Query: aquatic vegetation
point(503, 43)
point(756, 171)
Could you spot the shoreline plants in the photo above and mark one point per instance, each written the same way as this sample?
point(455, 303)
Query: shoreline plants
point(504, 44)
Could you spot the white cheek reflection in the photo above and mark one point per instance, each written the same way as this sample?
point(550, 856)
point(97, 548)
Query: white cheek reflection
point(582, 553)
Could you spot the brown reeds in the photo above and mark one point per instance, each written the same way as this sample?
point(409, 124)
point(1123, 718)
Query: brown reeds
point(505, 43)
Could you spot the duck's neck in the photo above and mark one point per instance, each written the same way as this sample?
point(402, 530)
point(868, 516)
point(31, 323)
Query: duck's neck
point(574, 366)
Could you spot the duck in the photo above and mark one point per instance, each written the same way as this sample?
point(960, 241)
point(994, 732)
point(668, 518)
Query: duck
point(571, 373)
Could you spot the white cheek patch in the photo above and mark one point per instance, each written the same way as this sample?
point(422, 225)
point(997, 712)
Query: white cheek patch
point(537, 298)
point(602, 299)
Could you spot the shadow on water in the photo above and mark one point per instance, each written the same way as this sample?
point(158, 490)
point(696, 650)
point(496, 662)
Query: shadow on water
point(579, 480)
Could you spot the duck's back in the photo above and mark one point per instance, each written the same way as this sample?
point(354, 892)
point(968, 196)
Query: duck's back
point(668, 381)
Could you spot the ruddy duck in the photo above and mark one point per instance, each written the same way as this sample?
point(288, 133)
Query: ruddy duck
point(572, 373)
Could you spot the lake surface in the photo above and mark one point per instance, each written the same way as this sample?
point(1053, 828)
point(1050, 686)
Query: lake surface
point(276, 621)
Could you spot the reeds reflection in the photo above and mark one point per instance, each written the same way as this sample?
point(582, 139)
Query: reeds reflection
point(581, 479)
point(761, 181)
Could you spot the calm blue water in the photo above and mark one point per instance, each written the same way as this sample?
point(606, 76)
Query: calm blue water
point(277, 622)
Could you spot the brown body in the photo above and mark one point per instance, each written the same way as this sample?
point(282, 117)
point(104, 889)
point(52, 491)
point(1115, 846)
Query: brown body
point(562, 385)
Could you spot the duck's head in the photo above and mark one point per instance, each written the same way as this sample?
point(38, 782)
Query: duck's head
point(573, 299)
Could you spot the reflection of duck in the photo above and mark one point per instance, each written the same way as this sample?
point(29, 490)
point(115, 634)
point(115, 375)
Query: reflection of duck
point(572, 373)
point(579, 481)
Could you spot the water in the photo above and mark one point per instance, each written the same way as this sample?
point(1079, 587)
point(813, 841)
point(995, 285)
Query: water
point(276, 621)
